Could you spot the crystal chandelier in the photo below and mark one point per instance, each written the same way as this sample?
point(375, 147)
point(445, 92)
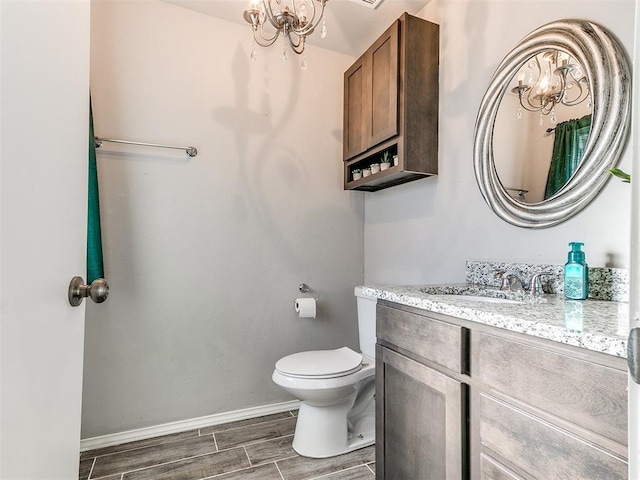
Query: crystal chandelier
point(554, 77)
point(294, 22)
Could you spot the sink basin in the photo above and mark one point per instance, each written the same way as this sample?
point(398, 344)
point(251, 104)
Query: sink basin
point(479, 293)
point(478, 298)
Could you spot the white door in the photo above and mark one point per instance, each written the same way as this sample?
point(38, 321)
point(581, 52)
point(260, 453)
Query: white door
point(44, 113)
point(634, 310)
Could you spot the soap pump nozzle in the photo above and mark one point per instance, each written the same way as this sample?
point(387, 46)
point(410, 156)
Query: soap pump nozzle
point(576, 255)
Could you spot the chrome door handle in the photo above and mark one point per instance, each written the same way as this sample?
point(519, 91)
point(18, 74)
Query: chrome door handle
point(98, 291)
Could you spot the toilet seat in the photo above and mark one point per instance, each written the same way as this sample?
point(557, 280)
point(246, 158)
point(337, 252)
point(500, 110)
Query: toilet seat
point(320, 364)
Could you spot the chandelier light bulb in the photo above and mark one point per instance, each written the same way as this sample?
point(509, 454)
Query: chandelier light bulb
point(544, 84)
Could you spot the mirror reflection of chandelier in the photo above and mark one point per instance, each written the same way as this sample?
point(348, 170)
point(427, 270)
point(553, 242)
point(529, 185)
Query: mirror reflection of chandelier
point(553, 77)
point(294, 20)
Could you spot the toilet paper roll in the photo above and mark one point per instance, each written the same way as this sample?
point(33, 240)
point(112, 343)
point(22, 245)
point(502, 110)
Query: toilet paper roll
point(306, 307)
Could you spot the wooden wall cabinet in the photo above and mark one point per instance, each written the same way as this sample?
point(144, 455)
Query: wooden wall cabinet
point(391, 105)
point(459, 400)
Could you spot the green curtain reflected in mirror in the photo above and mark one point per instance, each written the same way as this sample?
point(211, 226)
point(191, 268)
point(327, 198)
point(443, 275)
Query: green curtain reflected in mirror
point(568, 148)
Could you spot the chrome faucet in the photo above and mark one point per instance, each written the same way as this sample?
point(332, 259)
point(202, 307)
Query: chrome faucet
point(510, 281)
point(535, 286)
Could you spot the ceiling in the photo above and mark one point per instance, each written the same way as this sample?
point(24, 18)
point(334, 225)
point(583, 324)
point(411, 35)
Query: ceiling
point(351, 25)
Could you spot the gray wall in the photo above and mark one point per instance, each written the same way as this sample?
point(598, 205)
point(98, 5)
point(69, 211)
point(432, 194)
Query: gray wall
point(424, 231)
point(204, 255)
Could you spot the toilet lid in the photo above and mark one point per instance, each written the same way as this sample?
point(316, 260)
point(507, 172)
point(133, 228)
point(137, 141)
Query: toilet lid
point(320, 363)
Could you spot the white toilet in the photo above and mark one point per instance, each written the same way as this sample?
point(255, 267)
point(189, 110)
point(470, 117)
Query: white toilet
point(336, 388)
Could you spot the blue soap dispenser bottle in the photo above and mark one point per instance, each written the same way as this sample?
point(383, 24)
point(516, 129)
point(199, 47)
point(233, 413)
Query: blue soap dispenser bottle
point(576, 273)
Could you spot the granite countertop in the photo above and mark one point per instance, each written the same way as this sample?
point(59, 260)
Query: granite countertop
point(597, 325)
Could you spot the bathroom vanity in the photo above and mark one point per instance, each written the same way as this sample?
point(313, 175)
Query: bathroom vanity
point(491, 390)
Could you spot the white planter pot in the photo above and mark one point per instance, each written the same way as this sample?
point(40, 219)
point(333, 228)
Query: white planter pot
point(366, 172)
point(375, 168)
point(357, 176)
point(395, 160)
point(384, 166)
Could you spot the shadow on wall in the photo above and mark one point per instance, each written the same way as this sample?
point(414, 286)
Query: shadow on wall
point(245, 126)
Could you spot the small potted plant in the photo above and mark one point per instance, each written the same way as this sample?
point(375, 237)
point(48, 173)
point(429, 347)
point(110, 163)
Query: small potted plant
point(375, 168)
point(395, 160)
point(366, 172)
point(385, 162)
point(356, 174)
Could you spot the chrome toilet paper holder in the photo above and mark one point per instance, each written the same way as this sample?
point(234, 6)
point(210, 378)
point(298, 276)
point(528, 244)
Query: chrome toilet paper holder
point(304, 288)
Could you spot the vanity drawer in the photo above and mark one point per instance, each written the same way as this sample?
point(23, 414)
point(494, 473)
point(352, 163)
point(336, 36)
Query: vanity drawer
point(539, 449)
point(433, 340)
point(584, 393)
point(491, 469)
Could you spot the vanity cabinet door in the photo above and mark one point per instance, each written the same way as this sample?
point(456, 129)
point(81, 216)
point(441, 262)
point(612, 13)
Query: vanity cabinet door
point(541, 450)
point(541, 413)
point(591, 396)
point(491, 469)
point(420, 412)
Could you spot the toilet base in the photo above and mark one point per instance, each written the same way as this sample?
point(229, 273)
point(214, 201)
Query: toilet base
point(323, 432)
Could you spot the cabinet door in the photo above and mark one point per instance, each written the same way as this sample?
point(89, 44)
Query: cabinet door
point(586, 394)
point(539, 449)
point(381, 61)
point(356, 103)
point(420, 419)
point(491, 469)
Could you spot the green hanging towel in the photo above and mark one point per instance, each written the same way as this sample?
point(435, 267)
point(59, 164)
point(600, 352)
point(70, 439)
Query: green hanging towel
point(95, 268)
point(568, 147)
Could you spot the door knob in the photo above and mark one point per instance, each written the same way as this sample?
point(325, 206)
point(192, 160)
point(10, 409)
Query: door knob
point(98, 291)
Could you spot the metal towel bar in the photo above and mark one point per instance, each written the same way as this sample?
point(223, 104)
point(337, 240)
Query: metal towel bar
point(191, 151)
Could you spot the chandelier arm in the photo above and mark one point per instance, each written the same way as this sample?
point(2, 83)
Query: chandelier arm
point(527, 105)
point(298, 46)
point(582, 96)
point(313, 10)
point(531, 106)
point(266, 4)
point(548, 107)
point(583, 89)
point(262, 40)
point(311, 26)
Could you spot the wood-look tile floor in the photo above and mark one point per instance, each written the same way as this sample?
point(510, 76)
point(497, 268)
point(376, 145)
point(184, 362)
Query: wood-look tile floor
point(254, 449)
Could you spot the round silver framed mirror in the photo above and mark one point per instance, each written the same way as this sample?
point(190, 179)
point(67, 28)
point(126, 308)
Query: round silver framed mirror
point(586, 58)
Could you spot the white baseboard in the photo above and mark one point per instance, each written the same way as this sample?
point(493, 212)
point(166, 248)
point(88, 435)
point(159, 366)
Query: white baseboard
point(184, 425)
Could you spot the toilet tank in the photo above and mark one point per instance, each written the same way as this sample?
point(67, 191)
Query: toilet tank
point(366, 322)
